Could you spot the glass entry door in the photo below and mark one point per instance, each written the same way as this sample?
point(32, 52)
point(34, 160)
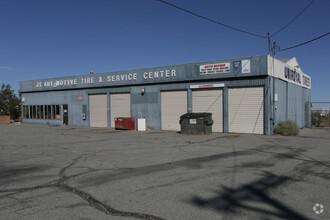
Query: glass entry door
point(65, 115)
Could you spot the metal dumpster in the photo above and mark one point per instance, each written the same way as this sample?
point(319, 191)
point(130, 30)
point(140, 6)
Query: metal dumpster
point(127, 123)
point(196, 123)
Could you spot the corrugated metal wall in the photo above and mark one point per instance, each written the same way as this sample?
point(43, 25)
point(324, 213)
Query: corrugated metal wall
point(147, 105)
point(58, 98)
point(295, 103)
point(281, 114)
point(291, 103)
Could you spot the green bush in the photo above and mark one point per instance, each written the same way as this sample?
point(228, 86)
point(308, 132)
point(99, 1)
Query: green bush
point(287, 128)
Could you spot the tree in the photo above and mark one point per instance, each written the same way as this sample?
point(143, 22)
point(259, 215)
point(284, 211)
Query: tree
point(10, 104)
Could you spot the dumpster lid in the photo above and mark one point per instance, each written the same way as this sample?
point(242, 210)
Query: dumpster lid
point(196, 115)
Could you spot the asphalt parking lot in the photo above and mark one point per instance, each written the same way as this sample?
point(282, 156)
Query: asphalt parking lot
point(50, 172)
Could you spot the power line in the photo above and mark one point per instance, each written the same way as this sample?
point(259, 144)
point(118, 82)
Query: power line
point(211, 20)
point(293, 19)
point(298, 45)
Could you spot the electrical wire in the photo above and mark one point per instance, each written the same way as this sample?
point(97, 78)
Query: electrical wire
point(293, 19)
point(211, 20)
point(298, 45)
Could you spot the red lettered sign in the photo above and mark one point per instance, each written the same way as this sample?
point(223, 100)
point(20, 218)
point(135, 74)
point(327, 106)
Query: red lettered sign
point(206, 86)
point(80, 98)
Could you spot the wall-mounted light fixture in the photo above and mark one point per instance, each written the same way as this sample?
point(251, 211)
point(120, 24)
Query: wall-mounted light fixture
point(142, 91)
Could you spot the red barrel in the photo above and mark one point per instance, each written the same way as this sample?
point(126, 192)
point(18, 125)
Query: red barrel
point(125, 123)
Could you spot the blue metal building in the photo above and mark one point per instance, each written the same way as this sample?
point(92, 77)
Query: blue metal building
point(245, 95)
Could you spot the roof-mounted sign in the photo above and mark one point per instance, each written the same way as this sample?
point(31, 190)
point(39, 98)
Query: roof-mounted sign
point(296, 77)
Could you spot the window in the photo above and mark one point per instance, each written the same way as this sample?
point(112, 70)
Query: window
point(46, 113)
point(41, 111)
point(41, 107)
point(57, 110)
point(26, 109)
point(49, 112)
point(34, 115)
point(53, 112)
point(38, 112)
point(28, 112)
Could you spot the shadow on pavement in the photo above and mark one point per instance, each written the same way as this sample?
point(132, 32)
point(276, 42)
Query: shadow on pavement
point(251, 197)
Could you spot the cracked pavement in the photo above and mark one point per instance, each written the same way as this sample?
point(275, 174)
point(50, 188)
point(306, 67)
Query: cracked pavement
point(50, 172)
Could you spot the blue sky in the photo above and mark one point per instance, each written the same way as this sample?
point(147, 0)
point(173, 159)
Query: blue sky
point(53, 38)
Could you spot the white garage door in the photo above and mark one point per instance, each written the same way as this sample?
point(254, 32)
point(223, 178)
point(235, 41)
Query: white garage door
point(98, 110)
point(174, 104)
point(209, 100)
point(120, 106)
point(246, 110)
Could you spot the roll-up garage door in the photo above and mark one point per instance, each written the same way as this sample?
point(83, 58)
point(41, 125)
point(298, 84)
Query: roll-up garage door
point(174, 104)
point(120, 106)
point(209, 100)
point(98, 110)
point(246, 110)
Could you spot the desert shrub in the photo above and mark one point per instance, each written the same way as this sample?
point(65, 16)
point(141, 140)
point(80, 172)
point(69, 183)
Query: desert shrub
point(287, 128)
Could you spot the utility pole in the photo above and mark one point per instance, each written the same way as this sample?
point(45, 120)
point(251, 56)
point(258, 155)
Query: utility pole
point(269, 44)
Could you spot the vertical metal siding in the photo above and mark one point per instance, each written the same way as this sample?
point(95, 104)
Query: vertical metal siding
point(148, 105)
point(296, 105)
point(281, 103)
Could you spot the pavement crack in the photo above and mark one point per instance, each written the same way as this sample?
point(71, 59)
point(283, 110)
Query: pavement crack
point(213, 139)
point(74, 161)
point(104, 207)
point(92, 201)
point(11, 192)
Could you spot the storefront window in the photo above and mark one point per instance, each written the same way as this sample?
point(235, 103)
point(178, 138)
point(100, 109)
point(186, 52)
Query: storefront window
point(49, 111)
point(34, 115)
point(46, 113)
point(58, 117)
point(41, 112)
point(53, 112)
point(28, 112)
point(38, 112)
point(26, 109)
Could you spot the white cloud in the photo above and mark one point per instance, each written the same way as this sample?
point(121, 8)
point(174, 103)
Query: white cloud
point(6, 68)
